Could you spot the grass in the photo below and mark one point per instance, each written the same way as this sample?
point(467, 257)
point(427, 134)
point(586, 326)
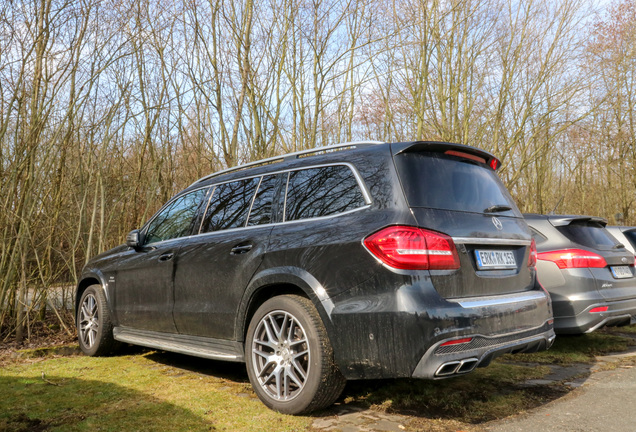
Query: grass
point(486, 394)
point(584, 348)
point(145, 390)
point(140, 392)
point(630, 329)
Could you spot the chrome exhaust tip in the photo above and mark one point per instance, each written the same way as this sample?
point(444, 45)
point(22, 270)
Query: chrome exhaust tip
point(551, 340)
point(467, 365)
point(457, 367)
point(448, 368)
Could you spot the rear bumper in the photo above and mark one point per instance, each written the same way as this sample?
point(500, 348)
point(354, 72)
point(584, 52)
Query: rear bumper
point(446, 361)
point(618, 313)
point(400, 333)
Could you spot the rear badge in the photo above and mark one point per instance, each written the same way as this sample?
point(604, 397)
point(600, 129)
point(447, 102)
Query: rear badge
point(497, 223)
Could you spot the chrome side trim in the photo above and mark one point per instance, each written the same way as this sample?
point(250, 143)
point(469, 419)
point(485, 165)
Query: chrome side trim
point(475, 302)
point(270, 225)
point(361, 186)
point(491, 241)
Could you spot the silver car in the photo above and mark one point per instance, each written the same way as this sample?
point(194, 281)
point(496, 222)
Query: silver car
point(588, 273)
point(626, 235)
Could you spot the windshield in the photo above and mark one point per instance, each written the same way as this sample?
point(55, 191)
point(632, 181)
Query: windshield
point(439, 181)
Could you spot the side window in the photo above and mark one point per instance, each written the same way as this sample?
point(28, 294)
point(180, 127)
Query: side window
point(176, 219)
point(261, 212)
point(321, 191)
point(631, 236)
point(229, 205)
point(537, 236)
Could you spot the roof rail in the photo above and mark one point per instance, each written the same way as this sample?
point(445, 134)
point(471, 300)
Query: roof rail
point(288, 156)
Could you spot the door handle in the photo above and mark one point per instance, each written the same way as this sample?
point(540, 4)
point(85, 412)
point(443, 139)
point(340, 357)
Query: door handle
point(240, 249)
point(166, 257)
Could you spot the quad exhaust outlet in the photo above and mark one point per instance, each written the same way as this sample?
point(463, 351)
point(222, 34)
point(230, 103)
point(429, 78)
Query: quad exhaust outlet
point(456, 367)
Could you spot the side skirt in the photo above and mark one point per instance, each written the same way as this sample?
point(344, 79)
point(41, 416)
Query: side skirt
point(210, 348)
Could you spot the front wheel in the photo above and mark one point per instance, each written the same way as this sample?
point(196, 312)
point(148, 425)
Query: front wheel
point(289, 357)
point(94, 327)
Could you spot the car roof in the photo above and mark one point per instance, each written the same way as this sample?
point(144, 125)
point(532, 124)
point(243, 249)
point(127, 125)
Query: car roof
point(403, 147)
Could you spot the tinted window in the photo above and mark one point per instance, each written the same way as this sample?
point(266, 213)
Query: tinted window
point(176, 219)
point(229, 205)
point(631, 236)
point(321, 191)
point(261, 212)
point(537, 236)
point(449, 183)
point(590, 234)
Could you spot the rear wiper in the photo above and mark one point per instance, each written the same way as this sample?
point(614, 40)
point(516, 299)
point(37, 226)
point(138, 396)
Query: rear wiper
point(618, 246)
point(497, 208)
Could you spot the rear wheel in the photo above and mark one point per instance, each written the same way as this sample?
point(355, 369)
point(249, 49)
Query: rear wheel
point(94, 327)
point(289, 357)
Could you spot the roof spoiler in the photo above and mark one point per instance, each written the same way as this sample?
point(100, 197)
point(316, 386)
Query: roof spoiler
point(564, 220)
point(453, 149)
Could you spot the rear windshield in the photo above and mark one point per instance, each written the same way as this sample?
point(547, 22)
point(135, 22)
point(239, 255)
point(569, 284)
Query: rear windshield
point(445, 182)
point(590, 234)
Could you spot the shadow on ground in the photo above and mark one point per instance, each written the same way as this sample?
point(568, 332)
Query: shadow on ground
point(500, 390)
point(507, 387)
point(232, 371)
point(40, 404)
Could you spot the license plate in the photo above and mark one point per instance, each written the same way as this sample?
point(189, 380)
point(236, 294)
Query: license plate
point(621, 272)
point(495, 259)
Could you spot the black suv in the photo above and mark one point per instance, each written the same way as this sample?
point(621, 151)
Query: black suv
point(361, 260)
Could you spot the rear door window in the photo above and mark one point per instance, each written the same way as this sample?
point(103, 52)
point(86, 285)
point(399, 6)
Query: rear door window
point(262, 208)
point(444, 182)
point(229, 205)
point(323, 191)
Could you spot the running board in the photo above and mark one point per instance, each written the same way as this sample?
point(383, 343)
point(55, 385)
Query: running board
point(210, 348)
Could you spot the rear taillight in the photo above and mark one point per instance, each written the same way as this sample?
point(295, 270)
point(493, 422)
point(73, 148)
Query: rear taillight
point(411, 248)
point(573, 258)
point(532, 258)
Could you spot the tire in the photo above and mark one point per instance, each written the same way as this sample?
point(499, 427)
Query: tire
point(94, 327)
point(289, 357)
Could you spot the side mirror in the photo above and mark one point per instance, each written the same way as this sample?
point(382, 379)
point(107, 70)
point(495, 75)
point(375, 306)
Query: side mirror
point(134, 239)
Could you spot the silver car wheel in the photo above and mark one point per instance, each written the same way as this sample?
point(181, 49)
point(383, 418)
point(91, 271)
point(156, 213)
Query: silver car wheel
point(89, 321)
point(281, 355)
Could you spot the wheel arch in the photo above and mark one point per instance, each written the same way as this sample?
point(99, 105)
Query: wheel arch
point(276, 282)
point(84, 283)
